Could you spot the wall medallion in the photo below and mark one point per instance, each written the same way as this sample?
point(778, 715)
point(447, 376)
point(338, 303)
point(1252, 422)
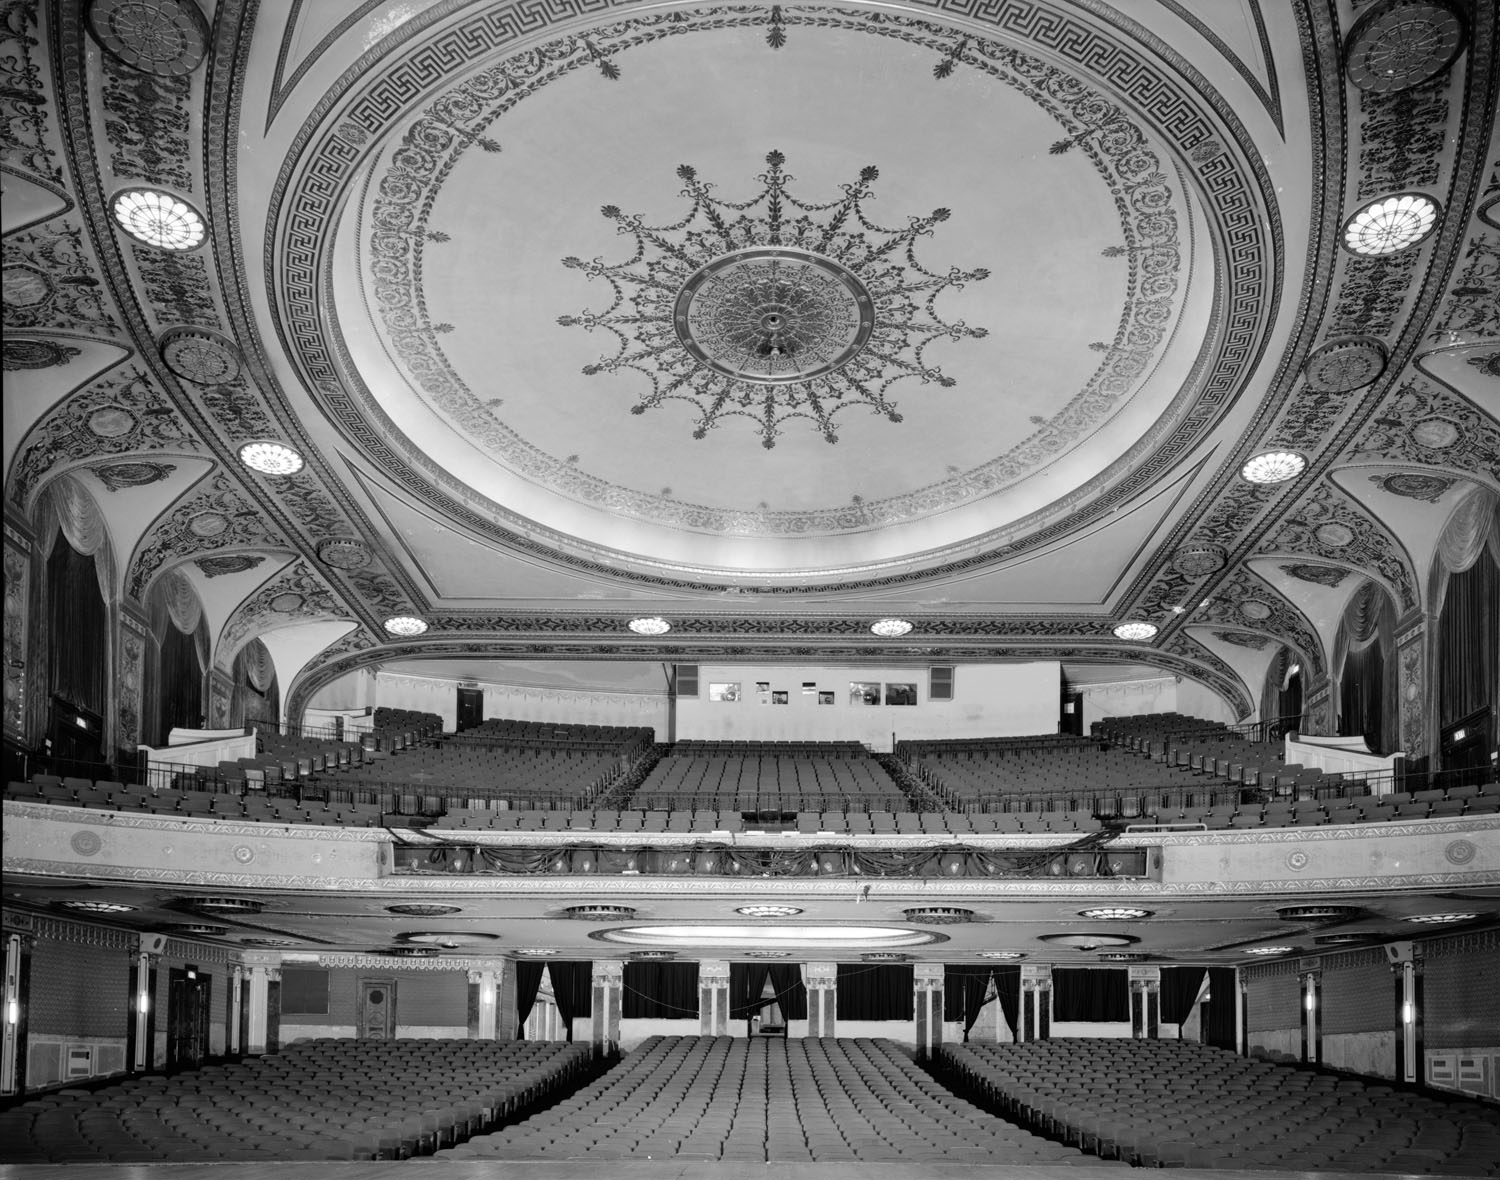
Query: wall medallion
point(208, 524)
point(1401, 44)
point(814, 308)
point(1435, 434)
point(1488, 365)
point(26, 286)
point(1243, 639)
point(167, 37)
point(36, 354)
point(344, 554)
point(287, 604)
point(1256, 610)
point(1296, 860)
point(1334, 535)
point(200, 356)
point(1346, 363)
point(234, 563)
point(1414, 486)
point(111, 421)
point(1460, 852)
point(115, 476)
point(86, 843)
point(1197, 560)
point(1322, 575)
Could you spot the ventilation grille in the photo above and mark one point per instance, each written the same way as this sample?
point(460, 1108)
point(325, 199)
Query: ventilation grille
point(687, 680)
point(940, 684)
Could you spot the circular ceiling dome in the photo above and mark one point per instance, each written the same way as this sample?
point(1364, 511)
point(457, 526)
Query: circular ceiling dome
point(810, 357)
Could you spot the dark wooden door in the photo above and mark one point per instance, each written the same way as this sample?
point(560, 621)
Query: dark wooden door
point(470, 708)
point(188, 998)
point(377, 1009)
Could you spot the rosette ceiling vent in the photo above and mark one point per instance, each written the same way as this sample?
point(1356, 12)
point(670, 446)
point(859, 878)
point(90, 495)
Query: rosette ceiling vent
point(423, 910)
point(651, 626)
point(939, 915)
point(830, 938)
point(159, 219)
point(201, 929)
point(890, 628)
point(1440, 919)
point(271, 458)
point(1318, 913)
point(769, 911)
point(405, 626)
point(1390, 225)
point(599, 913)
point(1273, 467)
point(537, 952)
point(225, 905)
point(1115, 913)
point(1136, 632)
point(1270, 950)
point(449, 939)
point(1006, 956)
point(1088, 941)
point(98, 907)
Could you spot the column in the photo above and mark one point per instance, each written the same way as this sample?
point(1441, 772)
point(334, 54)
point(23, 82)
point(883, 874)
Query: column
point(927, 1005)
point(609, 982)
point(142, 1011)
point(713, 997)
point(1145, 1002)
point(1408, 1014)
point(484, 997)
point(234, 1014)
point(822, 983)
point(1312, 1016)
point(12, 1019)
point(1036, 1002)
point(261, 987)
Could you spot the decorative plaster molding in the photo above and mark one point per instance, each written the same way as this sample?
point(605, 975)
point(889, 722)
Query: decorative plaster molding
point(370, 962)
point(609, 973)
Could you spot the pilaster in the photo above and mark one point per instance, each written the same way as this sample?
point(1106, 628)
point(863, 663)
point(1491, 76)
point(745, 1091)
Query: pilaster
point(821, 981)
point(713, 997)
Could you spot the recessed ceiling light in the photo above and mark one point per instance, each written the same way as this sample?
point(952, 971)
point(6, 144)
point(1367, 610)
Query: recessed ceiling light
point(767, 954)
point(599, 913)
point(1136, 631)
point(158, 219)
point(1270, 950)
point(938, 915)
point(1088, 942)
point(777, 936)
point(891, 628)
point(649, 626)
point(1318, 913)
point(99, 907)
point(1115, 913)
point(1437, 918)
point(423, 910)
point(537, 951)
point(1273, 467)
point(1390, 224)
point(405, 625)
point(1124, 957)
point(271, 458)
point(1001, 954)
point(768, 911)
point(227, 905)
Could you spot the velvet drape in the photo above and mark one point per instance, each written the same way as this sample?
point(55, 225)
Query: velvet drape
point(179, 686)
point(1365, 662)
point(875, 991)
point(1090, 994)
point(78, 624)
point(965, 986)
point(1179, 989)
point(665, 991)
point(748, 980)
point(1468, 641)
point(528, 984)
point(1218, 1012)
point(255, 698)
point(573, 989)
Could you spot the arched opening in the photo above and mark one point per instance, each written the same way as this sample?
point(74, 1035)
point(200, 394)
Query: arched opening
point(1364, 660)
point(255, 698)
point(1465, 596)
point(1281, 695)
point(176, 657)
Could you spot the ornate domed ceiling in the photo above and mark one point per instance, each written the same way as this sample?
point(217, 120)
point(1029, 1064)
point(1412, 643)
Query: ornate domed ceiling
point(766, 321)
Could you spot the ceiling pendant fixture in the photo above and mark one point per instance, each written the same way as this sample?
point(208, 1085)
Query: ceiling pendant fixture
point(1390, 224)
point(405, 625)
point(1135, 631)
point(649, 626)
point(598, 913)
point(939, 915)
point(1318, 913)
point(1115, 913)
point(423, 910)
point(159, 219)
point(891, 628)
point(774, 307)
point(98, 907)
point(1273, 467)
point(768, 911)
point(271, 458)
point(227, 905)
point(1088, 941)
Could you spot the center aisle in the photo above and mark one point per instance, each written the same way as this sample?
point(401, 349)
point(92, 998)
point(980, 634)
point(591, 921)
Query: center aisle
point(764, 1100)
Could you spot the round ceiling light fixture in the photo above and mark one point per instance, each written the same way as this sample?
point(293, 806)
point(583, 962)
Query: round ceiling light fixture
point(1347, 936)
point(890, 628)
point(598, 913)
point(1135, 631)
point(271, 458)
point(767, 954)
point(423, 910)
point(939, 915)
point(158, 219)
point(1318, 913)
point(1390, 224)
point(1273, 467)
point(1008, 955)
point(412, 952)
point(267, 942)
point(768, 911)
point(1088, 941)
point(449, 938)
point(1270, 950)
point(1115, 913)
point(405, 625)
point(1401, 44)
point(537, 952)
point(1432, 919)
point(202, 929)
point(649, 626)
point(832, 938)
point(98, 907)
point(1124, 957)
point(227, 905)
point(653, 954)
point(885, 957)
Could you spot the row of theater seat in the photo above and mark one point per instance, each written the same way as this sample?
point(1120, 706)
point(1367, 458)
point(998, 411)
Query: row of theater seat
point(764, 1100)
point(1179, 1103)
point(315, 1101)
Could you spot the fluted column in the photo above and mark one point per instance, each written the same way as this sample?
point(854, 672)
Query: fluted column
point(822, 981)
point(927, 1005)
point(609, 982)
point(713, 997)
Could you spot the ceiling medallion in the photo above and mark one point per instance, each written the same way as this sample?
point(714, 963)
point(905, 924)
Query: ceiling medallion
point(159, 219)
point(1402, 44)
point(165, 37)
point(649, 626)
point(890, 628)
point(773, 308)
point(1197, 561)
point(765, 954)
point(449, 938)
point(422, 910)
point(1273, 467)
point(35, 354)
point(1344, 364)
point(1001, 954)
point(98, 907)
point(1270, 950)
point(201, 928)
point(1088, 942)
point(1348, 936)
point(1414, 486)
point(200, 356)
point(1135, 631)
point(598, 913)
point(939, 915)
point(1391, 224)
point(1428, 919)
point(405, 625)
point(271, 458)
point(226, 905)
point(1318, 913)
point(1115, 913)
point(768, 911)
point(342, 553)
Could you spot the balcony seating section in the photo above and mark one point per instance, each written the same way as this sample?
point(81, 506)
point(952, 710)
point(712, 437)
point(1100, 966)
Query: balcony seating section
point(754, 777)
point(503, 731)
point(1183, 1104)
point(486, 773)
point(317, 1100)
point(400, 728)
point(1213, 749)
point(761, 1100)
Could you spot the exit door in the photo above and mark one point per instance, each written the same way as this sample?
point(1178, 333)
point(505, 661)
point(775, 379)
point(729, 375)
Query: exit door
point(188, 994)
point(470, 708)
point(377, 1009)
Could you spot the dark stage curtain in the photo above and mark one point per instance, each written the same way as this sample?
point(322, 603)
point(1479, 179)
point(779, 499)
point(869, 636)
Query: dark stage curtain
point(1218, 1012)
point(748, 980)
point(528, 983)
point(1281, 694)
point(1008, 985)
point(78, 624)
point(1468, 645)
point(666, 991)
point(1093, 994)
point(1365, 660)
point(573, 989)
point(255, 698)
point(179, 685)
point(1179, 988)
point(966, 984)
point(875, 991)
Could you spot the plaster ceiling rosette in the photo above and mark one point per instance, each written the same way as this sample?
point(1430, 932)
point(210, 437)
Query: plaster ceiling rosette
point(658, 296)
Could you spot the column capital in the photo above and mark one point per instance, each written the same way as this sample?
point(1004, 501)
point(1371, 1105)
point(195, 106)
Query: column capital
point(820, 975)
point(927, 977)
point(713, 973)
point(610, 972)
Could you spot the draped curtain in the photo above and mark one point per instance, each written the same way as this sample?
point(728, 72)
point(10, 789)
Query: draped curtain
point(1090, 994)
point(173, 688)
point(572, 990)
point(78, 622)
point(528, 984)
point(1218, 1013)
point(1464, 590)
point(747, 982)
point(1281, 694)
point(965, 986)
point(875, 991)
point(255, 698)
point(1179, 992)
point(667, 991)
point(1365, 662)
